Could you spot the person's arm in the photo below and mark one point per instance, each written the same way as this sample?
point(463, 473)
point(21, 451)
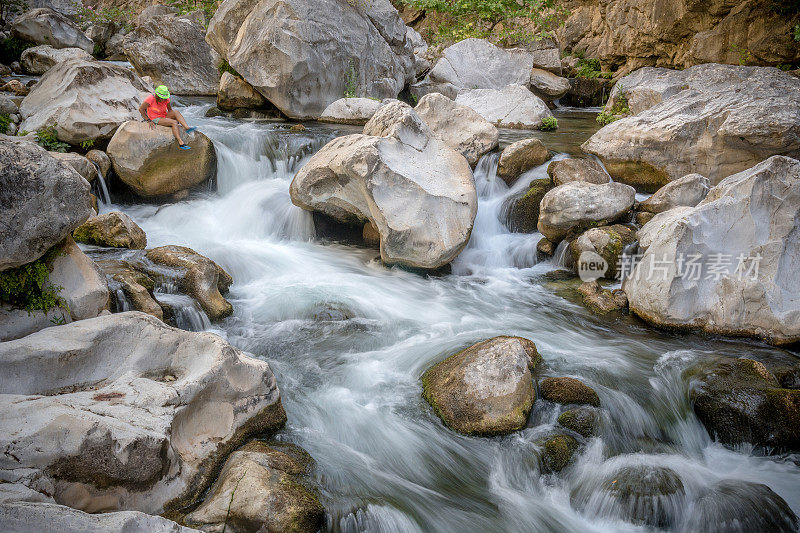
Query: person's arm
point(169, 106)
point(143, 110)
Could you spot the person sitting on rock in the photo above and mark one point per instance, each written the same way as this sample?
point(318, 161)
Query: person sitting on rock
point(156, 110)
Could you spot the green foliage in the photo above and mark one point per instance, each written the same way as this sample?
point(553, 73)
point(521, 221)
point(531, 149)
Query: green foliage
point(209, 7)
point(224, 67)
point(11, 49)
point(24, 287)
point(618, 110)
point(351, 81)
point(47, 138)
point(5, 122)
point(796, 32)
point(414, 100)
point(588, 68)
point(11, 8)
point(503, 21)
point(124, 17)
point(744, 54)
point(549, 124)
point(87, 144)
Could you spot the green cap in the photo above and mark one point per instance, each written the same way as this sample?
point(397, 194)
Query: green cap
point(162, 91)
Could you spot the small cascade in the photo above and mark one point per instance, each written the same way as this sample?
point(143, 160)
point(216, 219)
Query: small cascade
point(100, 187)
point(183, 311)
point(122, 301)
point(561, 257)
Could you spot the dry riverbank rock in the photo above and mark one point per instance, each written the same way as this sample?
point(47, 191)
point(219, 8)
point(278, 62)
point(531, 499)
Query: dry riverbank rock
point(486, 389)
point(687, 191)
point(45, 26)
point(513, 106)
point(114, 229)
point(303, 55)
point(235, 93)
point(39, 59)
point(143, 412)
point(520, 157)
point(460, 127)
point(548, 85)
point(757, 296)
point(83, 100)
point(356, 111)
point(724, 120)
point(149, 161)
point(417, 191)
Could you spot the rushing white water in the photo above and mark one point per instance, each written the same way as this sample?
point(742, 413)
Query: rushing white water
point(351, 387)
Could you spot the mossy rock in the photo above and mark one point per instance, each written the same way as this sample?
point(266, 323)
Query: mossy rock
point(640, 175)
point(568, 391)
point(581, 420)
point(523, 216)
point(558, 452)
point(646, 494)
point(608, 242)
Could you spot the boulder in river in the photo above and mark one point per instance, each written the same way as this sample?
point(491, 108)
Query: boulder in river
point(609, 242)
point(149, 161)
point(557, 453)
point(513, 106)
point(235, 93)
point(144, 413)
point(417, 191)
point(687, 191)
point(576, 206)
point(460, 127)
point(568, 391)
point(601, 300)
point(486, 389)
point(83, 100)
point(45, 26)
point(114, 229)
point(523, 214)
point(355, 111)
point(724, 119)
point(303, 55)
point(520, 157)
point(135, 285)
point(576, 169)
point(581, 420)
point(547, 85)
point(39, 59)
point(745, 285)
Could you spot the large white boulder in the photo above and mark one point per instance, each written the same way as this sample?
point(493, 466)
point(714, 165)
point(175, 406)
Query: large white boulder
point(83, 100)
point(82, 284)
point(723, 119)
point(356, 111)
point(417, 191)
point(45, 26)
point(745, 236)
point(687, 191)
point(303, 55)
point(513, 106)
point(39, 59)
point(123, 412)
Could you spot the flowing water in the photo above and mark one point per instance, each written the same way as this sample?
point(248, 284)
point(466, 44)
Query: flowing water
point(348, 340)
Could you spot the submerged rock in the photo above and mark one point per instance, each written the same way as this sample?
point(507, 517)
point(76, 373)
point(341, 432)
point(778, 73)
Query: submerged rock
point(581, 420)
point(519, 157)
point(687, 191)
point(114, 229)
point(135, 285)
point(568, 391)
point(558, 452)
point(486, 389)
point(45, 26)
point(513, 106)
point(600, 300)
point(576, 169)
point(609, 242)
point(523, 216)
point(39, 59)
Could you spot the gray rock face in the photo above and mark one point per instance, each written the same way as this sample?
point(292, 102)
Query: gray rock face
point(577, 169)
point(687, 191)
point(45, 26)
point(303, 55)
point(143, 412)
point(461, 128)
point(84, 100)
point(82, 165)
point(417, 191)
point(356, 111)
point(548, 59)
point(42, 201)
point(149, 161)
point(7, 105)
point(750, 214)
point(83, 285)
point(578, 205)
point(173, 52)
point(513, 106)
point(39, 59)
point(520, 157)
point(115, 50)
point(716, 125)
point(548, 84)
point(236, 93)
point(486, 389)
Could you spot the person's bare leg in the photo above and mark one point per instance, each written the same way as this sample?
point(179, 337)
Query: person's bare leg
point(176, 115)
point(173, 124)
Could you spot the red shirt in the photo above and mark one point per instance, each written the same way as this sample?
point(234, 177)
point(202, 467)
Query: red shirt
point(156, 109)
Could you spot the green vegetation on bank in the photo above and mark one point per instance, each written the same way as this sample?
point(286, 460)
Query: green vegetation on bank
point(124, 17)
point(5, 122)
point(209, 7)
point(25, 287)
point(549, 124)
point(47, 138)
point(619, 110)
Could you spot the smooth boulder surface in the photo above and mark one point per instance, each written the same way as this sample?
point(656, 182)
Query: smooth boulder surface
point(576, 169)
point(486, 389)
point(235, 93)
point(39, 59)
point(173, 52)
point(83, 100)
point(417, 191)
point(752, 215)
point(82, 284)
point(523, 214)
point(735, 118)
point(100, 159)
point(548, 85)
point(45, 26)
point(461, 128)
point(513, 106)
point(687, 191)
point(137, 417)
point(43, 201)
point(81, 164)
point(521, 156)
point(578, 205)
point(149, 161)
point(303, 56)
point(660, 222)
point(568, 391)
point(356, 111)
point(114, 229)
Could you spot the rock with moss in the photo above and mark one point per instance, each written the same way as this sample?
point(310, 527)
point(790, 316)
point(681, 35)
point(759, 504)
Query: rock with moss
point(149, 161)
point(261, 488)
point(741, 401)
point(568, 391)
point(519, 157)
point(486, 389)
point(608, 242)
point(576, 169)
point(601, 300)
point(137, 286)
point(687, 191)
point(581, 420)
point(557, 453)
point(115, 230)
point(523, 216)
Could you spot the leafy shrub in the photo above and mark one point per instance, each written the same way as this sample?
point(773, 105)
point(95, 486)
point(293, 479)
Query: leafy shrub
point(549, 124)
point(618, 110)
point(224, 67)
point(209, 7)
point(796, 32)
point(124, 17)
point(5, 121)
point(48, 139)
point(351, 81)
point(24, 287)
point(87, 144)
point(588, 68)
point(11, 49)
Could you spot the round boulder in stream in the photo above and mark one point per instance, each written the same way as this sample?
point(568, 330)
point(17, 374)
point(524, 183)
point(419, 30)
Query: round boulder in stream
point(568, 391)
point(486, 389)
point(114, 229)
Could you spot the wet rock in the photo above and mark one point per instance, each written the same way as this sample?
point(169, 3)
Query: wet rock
point(576, 206)
point(83, 100)
point(82, 165)
point(424, 217)
point(99, 158)
point(114, 229)
point(568, 391)
point(7, 105)
point(519, 157)
point(45, 26)
point(39, 59)
point(145, 412)
point(642, 217)
point(739, 400)
point(547, 85)
point(545, 247)
point(715, 127)
point(581, 420)
point(576, 169)
point(461, 128)
point(558, 452)
point(16, 87)
point(761, 207)
point(135, 285)
point(371, 235)
point(356, 111)
point(513, 106)
point(486, 389)
point(600, 300)
point(149, 161)
point(202, 278)
point(43, 201)
point(523, 216)
point(260, 489)
point(687, 191)
point(608, 242)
